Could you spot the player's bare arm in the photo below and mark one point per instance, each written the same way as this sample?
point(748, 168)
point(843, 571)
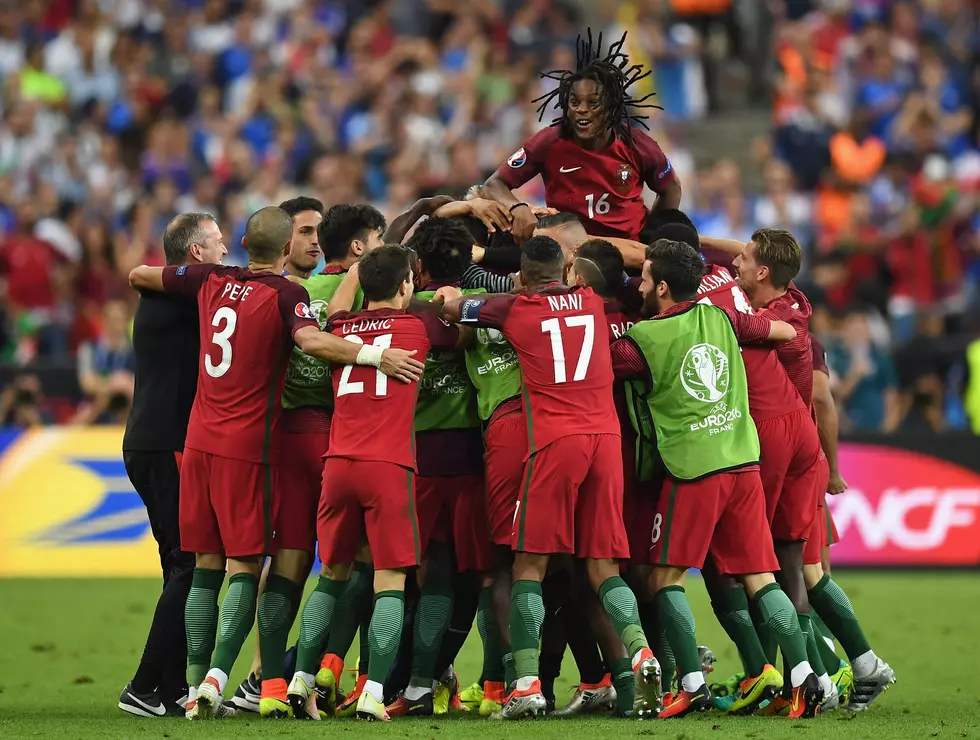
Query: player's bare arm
point(827, 423)
point(524, 219)
point(343, 298)
point(730, 246)
point(145, 277)
point(396, 363)
point(404, 222)
point(634, 252)
point(780, 332)
point(493, 215)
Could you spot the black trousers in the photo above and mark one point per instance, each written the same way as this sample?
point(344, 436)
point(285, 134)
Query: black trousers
point(156, 478)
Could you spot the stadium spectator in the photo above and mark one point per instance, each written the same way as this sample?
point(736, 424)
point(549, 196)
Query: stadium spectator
point(105, 369)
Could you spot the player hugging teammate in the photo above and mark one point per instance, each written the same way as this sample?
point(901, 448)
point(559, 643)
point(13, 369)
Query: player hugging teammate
point(548, 462)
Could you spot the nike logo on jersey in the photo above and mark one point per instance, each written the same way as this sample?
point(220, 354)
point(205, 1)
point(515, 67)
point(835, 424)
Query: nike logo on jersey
point(570, 169)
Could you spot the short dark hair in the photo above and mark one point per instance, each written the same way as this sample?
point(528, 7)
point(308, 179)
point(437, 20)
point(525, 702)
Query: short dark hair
point(677, 232)
point(294, 206)
point(778, 250)
point(382, 271)
point(542, 260)
point(677, 264)
point(445, 248)
point(343, 223)
point(673, 217)
point(267, 232)
point(182, 231)
point(562, 218)
point(603, 266)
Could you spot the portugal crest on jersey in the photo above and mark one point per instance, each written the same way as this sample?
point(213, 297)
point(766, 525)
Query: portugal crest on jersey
point(624, 178)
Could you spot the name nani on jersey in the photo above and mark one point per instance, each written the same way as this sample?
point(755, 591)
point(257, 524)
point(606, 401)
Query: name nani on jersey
point(565, 302)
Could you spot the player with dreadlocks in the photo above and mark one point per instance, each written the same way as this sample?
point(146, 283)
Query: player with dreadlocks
point(593, 159)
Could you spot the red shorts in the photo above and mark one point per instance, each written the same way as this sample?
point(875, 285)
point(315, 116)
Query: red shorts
point(506, 448)
point(791, 474)
point(724, 514)
point(639, 507)
point(372, 498)
point(453, 508)
point(226, 506)
point(300, 473)
point(572, 499)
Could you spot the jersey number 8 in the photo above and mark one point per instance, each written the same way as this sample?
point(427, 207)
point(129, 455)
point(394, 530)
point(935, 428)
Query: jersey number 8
point(346, 387)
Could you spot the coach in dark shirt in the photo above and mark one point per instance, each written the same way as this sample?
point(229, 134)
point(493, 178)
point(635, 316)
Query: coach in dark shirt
point(166, 344)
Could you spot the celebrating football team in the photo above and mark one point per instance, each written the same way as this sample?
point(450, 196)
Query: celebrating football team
point(535, 418)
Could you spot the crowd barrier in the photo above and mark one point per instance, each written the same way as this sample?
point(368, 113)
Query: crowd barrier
point(67, 507)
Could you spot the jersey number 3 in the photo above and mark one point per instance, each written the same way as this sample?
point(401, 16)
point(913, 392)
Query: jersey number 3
point(346, 387)
point(552, 327)
point(224, 321)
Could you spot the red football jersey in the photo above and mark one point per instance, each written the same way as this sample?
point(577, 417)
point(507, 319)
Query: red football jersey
point(771, 394)
point(796, 355)
point(247, 322)
point(603, 188)
point(374, 415)
point(562, 342)
point(619, 319)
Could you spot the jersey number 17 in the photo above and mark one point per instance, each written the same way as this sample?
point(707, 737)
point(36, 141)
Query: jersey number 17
point(553, 328)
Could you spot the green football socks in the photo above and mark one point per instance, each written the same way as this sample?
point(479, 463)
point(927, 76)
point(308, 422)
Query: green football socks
point(201, 622)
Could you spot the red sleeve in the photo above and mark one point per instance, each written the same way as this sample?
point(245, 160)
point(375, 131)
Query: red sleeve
point(294, 307)
point(656, 170)
point(529, 160)
point(749, 329)
point(442, 335)
point(627, 360)
point(491, 313)
point(186, 280)
point(819, 356)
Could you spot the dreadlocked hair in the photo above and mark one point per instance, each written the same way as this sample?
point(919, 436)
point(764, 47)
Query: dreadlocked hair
point(613, 74)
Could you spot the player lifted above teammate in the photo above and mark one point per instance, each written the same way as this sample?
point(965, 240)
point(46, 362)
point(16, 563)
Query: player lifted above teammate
point(593, 159)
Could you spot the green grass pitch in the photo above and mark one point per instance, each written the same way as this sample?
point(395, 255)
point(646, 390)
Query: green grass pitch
point(69, 647)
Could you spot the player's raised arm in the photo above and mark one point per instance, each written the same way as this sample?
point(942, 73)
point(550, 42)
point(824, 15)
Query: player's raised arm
point(522, 167)
point(404, 222)
point(343, 298)
point(183, 280)
point(730, 246)
point(492, 213)
point(145, 277)
point(634, 252)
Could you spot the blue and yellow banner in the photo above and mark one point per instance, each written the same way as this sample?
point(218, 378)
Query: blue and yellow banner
point(67, 507)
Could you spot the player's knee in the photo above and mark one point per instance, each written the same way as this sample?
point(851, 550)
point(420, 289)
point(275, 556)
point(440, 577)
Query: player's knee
point(663, 576)
point(812, 575)
point(291, 564)
point(755, 582)
point(530, 567)
point(389, 580)
point(209, 561)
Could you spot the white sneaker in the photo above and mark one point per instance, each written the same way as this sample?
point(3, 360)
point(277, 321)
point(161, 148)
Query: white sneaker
point(870, 687)
point(302, 698)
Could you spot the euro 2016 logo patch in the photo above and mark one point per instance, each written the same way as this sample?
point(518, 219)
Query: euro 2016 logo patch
point(518, 158)
point(303, 311)
point(704, 373)
point(624, 178)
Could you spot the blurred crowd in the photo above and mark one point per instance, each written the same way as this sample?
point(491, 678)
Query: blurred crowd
point(118, 114)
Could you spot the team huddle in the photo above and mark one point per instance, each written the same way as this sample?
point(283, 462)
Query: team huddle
point(546, 453)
